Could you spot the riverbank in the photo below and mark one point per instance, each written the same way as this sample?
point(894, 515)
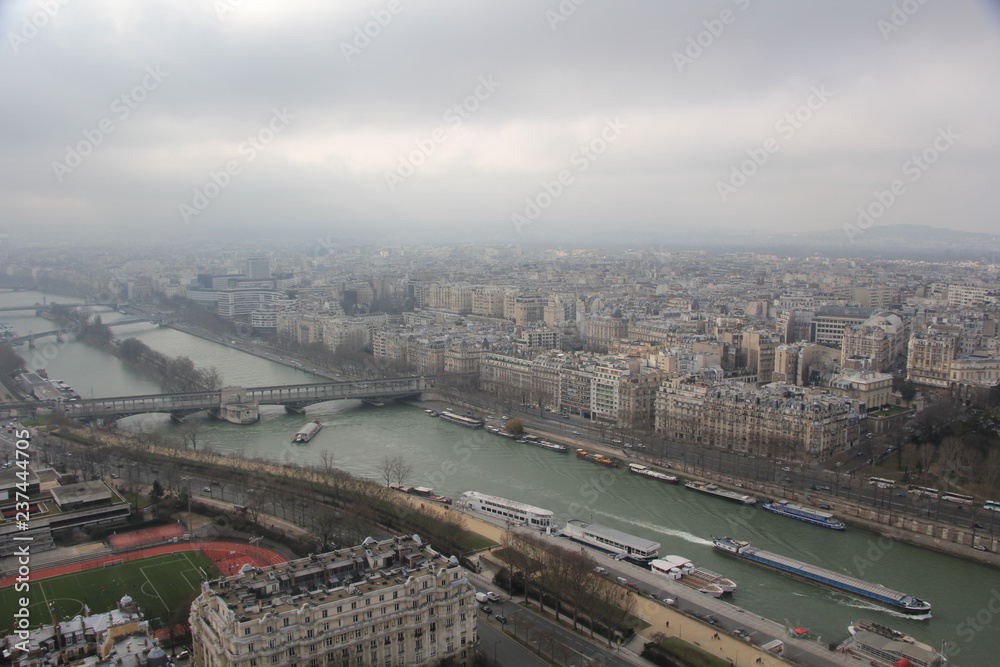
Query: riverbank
point(891, 527)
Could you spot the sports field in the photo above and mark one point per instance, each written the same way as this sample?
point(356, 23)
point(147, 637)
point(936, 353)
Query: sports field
point(159, 585)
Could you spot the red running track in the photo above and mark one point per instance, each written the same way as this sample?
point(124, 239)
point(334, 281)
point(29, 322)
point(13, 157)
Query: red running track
point(227, 556)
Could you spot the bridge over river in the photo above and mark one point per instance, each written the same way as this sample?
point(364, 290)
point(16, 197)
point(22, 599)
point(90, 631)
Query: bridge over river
point(234, 404)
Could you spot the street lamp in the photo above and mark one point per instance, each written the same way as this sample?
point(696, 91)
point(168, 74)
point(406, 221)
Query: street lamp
point(256, 542)
point(495, 644)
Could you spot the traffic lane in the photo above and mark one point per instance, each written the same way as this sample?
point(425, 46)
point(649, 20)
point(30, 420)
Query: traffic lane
point(494, 644)
point(518, 617)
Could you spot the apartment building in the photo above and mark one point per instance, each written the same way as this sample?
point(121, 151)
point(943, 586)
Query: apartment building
point(928, 359)
point(829, 323)
point(881, 340)
point(775, 420)
point(394, 602)
point(603, 331)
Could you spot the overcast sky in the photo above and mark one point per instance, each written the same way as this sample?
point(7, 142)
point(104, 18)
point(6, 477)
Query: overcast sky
point(503, 119)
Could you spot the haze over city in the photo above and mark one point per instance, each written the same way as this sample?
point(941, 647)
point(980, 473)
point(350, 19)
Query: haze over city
point(505, 122)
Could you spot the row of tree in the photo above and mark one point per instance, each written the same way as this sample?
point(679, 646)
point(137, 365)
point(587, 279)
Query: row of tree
point(178, 373)
point(568, 580)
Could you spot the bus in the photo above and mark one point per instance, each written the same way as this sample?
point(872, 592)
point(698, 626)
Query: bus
point(882, 482)
point(958, 498)
point(992, 505)
point(923, 491)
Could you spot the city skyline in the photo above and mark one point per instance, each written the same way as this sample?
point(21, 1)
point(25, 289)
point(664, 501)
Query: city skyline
point(511, 123)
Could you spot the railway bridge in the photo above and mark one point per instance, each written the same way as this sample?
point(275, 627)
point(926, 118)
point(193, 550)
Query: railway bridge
point(238, 405)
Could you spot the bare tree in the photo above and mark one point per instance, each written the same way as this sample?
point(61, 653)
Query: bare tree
point(190, 431)
point(991, 470)
point(950, 454)
point(326, 464)
point(925, 457)
point(325, 526)
point(394, 470)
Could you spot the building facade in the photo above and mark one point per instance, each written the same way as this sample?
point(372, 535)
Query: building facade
point(394, 602)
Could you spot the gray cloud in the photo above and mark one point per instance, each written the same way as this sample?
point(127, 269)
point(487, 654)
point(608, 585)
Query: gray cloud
point(560, 80)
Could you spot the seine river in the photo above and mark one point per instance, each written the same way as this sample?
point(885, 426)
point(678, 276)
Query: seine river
point(452, 459)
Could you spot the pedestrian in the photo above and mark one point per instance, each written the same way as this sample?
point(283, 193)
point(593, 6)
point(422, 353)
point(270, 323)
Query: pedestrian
point(668, 624)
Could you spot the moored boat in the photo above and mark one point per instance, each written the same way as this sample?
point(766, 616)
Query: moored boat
point(682, 570)
point(515, 512)
point(646, 471)
point(422, 492)
point(886, 647)
point(599, 459)
point(802, 513)
point(628, 547)
point(461, 420)
point(308, 432)
point(713, 490)
point(901, 602)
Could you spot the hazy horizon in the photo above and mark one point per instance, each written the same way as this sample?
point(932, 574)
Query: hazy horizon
point(511, 122)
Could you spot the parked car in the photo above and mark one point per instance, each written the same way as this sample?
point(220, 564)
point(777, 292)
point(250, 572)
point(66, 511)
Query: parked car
point(669, 601)
point(502, 620)
point(825, 506)
point(486, 609)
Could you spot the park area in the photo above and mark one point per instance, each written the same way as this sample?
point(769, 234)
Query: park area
point(161, 585)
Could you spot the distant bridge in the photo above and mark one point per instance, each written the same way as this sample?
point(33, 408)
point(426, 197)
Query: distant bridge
point(236, 404)
point(128, 319)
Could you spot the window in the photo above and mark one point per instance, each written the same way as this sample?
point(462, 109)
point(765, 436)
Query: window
point(354, 605)
point(309, 633)
point(246, 631)
point(395, 594)
point(325, 612)
point(274, 659)
point(284, 622)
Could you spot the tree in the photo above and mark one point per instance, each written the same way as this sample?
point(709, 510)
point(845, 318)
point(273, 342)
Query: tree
point(394, 470)
point(950, 455)
point(925, 456)
point(515, 426)
point(991, 470)
point(156, 494)
point(190, 431)
point(908, 392)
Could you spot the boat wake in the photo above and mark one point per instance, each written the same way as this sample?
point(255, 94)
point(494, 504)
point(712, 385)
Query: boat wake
point(856, 603)
point(673, 532)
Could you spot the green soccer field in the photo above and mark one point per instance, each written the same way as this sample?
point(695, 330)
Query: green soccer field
point(159, 585)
